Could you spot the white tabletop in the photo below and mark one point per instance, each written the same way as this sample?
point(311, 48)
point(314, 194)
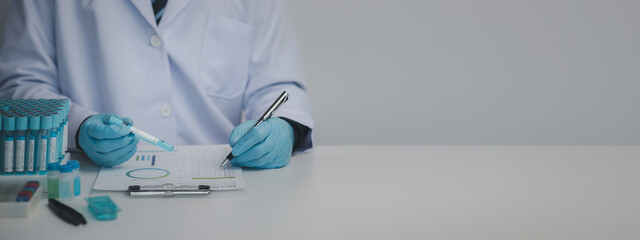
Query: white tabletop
point(388, 192)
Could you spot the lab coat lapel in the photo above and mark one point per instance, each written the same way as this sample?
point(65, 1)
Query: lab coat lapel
point(145, 9)
point(173, 9)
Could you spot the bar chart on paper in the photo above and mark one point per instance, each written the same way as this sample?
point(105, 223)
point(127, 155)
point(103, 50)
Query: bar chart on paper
point(147, 172)
point(188, 165)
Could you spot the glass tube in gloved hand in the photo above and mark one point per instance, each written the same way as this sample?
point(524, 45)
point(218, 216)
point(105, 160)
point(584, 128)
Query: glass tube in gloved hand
point(145, 136)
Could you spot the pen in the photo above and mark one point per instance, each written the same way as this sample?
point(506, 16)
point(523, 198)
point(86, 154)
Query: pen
point(283, 98)
point(66, 213)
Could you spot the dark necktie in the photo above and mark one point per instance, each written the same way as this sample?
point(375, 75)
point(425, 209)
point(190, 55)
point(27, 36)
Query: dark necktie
point(158, 8)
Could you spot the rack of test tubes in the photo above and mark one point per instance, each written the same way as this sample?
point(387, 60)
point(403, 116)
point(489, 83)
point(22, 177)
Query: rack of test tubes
point(34, 133)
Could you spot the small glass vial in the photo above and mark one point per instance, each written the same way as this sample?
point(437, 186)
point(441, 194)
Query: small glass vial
point(66, 182)
point(53, 180)
point(76, 176)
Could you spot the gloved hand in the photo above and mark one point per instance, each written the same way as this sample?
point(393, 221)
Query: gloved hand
point(106, 144)
point(268, 145)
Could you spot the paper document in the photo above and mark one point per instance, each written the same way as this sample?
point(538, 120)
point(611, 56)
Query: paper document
point(187, 165)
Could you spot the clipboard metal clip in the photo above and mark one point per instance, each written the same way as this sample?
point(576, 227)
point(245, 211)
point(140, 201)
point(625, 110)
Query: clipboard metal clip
point(168, 189)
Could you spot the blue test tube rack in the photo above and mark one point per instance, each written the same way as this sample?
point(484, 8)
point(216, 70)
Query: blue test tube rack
point(33, 132)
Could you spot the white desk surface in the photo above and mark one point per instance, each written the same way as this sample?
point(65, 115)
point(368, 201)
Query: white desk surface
point(388, 192)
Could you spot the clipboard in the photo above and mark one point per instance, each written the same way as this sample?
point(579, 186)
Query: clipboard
point(181, 172)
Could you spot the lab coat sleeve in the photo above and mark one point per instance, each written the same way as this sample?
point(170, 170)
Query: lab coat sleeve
point(276, 65)
point(28, 67)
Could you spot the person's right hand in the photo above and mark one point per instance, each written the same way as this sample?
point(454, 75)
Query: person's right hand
point(106, 144)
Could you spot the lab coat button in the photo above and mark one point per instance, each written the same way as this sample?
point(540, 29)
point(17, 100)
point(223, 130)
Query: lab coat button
point(165, 111)
point(155, 40)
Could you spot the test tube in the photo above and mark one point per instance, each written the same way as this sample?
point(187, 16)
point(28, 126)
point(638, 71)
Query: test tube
point(65, 131)
point(21, 134)
point(56, 128)
point(60, 154)
point(43, 136)
point(145, 136)
point(53, 139)
point(34, 128)
point(9, 126)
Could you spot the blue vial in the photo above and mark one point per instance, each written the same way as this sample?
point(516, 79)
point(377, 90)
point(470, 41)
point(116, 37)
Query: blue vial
point(65, 132)
point(20, 140)
point(43, 136)
point(9, 127)
point(57, 129)
point(32, 143)
point(76, 176)
point(52, 147)
point(66, 182)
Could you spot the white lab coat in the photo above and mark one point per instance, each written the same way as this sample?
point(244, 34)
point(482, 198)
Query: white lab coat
point(187, 81)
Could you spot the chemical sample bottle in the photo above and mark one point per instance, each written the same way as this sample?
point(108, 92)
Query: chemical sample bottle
point(76, 176)
point(66, 182)
point(53, 180)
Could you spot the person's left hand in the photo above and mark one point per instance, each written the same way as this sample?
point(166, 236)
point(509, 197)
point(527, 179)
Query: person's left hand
point(268, 145)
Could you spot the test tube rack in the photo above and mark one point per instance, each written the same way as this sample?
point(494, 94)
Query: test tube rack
point(34, 132)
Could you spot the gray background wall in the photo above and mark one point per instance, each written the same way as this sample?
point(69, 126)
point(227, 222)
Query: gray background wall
point(4, 9)
point(471, 72)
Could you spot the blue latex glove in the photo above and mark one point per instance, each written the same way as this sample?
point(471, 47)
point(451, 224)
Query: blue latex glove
point(106, 144)
point(268, 145)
